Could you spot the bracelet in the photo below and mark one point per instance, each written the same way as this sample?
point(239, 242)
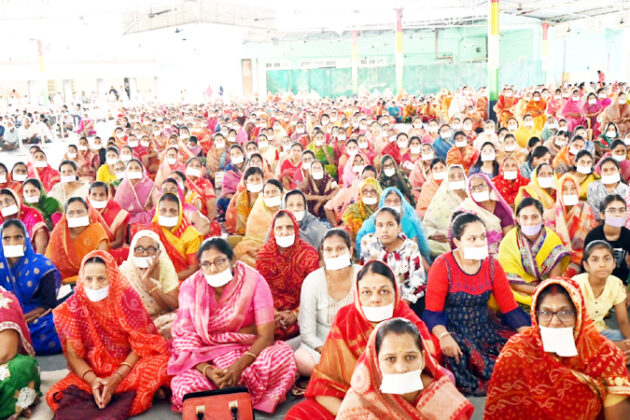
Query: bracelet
point(85, 372)
point(119, 374)
point(444, 334)
point(129, 365)
point(154, 289)
point(249, 353)
point(204, 370)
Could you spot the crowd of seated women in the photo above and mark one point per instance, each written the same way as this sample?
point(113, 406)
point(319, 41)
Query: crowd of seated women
point(384, 258)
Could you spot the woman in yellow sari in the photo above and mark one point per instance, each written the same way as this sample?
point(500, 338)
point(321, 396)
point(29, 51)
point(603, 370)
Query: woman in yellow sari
point(583, 173)
point(367, 203)
point(259, 222)
point(572, 220)
point(542, 187)
point(181, 240)
point(531, 253)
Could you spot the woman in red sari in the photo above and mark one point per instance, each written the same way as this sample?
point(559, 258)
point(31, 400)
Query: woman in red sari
point(41, 169)
point(463, 153)
point(585, 379)
point(376, 298)
point(19, 174)
point(383, 385)
point(509, 180)
point(284, 261)
point(87, 160)
point(197, 183)
point(108, 338)
point(114, 216)
point(11, 207)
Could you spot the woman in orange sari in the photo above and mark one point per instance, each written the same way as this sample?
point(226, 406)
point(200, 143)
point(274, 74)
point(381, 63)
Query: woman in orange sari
point(505, 106)
point(180, 239)
point(376, 298)
point(108, 338)
point(536, 108)
point(80, 230)
point(41, 169)
point(572, 220)
point(585, 377)
point(384, 386)
point(463, 153)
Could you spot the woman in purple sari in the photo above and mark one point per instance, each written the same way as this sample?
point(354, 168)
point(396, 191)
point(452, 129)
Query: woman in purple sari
point(137, 194)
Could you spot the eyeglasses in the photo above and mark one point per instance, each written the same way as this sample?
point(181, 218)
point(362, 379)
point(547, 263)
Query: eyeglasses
point(218, 263)
point(151, 250)
point(563, 315)
point(478, 188)
point(619, 211)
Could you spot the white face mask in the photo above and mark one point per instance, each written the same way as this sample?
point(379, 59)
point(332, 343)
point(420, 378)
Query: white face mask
point(171, 161)
point(96, 295)
point(439, 176)
point(145, 143)
point(261, 145)
point(143, 262)
point(31, 199)
point(574, 151)
point(134, 175)
point(570, 200)
point(559, 142)
point(285, 241)
point(237, 160)
point(510, 175)
point(363, 145)
point(476, 252)
point(592, 101)
point(611, 134)
point(510, 147)
point(125, 158)
point(111, 161)
point(167, 221)
point(82, 148)
point(619, 158)
point(416, 150)
point(98, 204)
point(273, 201)
point(402, 383)
point(72, 155)
point(389, 171)
point(402, 144)
point(545, 182)
point(40, 164)
point(611, 179)
point(457, 126)
point(482, 196)
point(337, 263)
point(585, 170)
point(488, 157)
point(397, 208)
point(528, 123)
point(219, 279)
point(254, 188)
point(357, 169)
point(299, 215)
point(552, 126)
point(456, 185)
point(378, 313)
point(120, 175)
point(461, 143)
point(559, 341)
point(306, 165)
point(68, 178)
point(193, 172)
point(317, 175)
point(10, 210)
point(3, 179)
point(13, 251)
point(370, 201)
point(131, 144)
point(75, 222)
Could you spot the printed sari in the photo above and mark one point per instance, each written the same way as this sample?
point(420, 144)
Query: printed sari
point(163, 318)
point(19, 377)
point(285, 270)
point(324, 156)
point(508, 188)
point(47, 176)
point(466, 157)
point(136, 199)
point(364, 400)
point(208, 331)
point(534, 190)
point(31, 217)
point(358, 212)
point(67, 253)
point(23, 280)
point(346, 341)
point(531, 263)
point(531, 384)
point(256, 230)
point(398, 180)
point(204, 188)
point(323, 186)
point(49, 207)
point(104, 333)
point(572, 226)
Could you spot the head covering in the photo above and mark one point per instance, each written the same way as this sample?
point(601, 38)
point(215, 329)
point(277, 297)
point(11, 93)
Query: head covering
point(311, 229)
point(410, 224)
point(526, 373)
point(167, 271)
point(365, 400)
point(398, 180)
point(508, 188)
point(32, 218)
point(46, 205)
point(12, 318)
point(358, 212)
point(533, 189)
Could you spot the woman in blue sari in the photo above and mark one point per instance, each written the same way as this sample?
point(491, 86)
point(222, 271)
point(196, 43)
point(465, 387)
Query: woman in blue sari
point(444, 142)
point(34, 280)
point(411, 225)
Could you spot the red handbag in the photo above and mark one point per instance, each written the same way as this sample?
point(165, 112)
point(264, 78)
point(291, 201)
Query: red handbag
point(220, 404)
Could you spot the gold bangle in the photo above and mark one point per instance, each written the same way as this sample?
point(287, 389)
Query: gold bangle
point(249, 353)
point(154, 289)
point(85, 372)
point(129, 365)
point(119, 374)
point(204, 370)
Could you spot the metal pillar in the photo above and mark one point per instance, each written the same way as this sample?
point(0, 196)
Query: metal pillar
point(493, 58)
point(399, 52)
point(355, 62)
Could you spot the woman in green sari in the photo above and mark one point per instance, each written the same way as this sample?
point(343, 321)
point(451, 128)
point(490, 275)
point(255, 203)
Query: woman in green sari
point(35, 196)
point(19, 371)
point(324, 152)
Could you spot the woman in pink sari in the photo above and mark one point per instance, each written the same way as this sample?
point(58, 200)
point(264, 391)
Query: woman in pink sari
point(223, 334)
point(172, 162)
point(86, 127)
point(573, 111)
point(592, 109)
point(137, 194)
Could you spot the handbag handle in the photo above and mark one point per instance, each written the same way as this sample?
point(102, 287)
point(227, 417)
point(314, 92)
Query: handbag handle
point(234, 409)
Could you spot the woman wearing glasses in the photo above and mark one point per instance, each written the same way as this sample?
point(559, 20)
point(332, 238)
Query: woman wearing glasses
point(612, 230)
point(151, 273)
point(560, 367)
point(223, 334)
